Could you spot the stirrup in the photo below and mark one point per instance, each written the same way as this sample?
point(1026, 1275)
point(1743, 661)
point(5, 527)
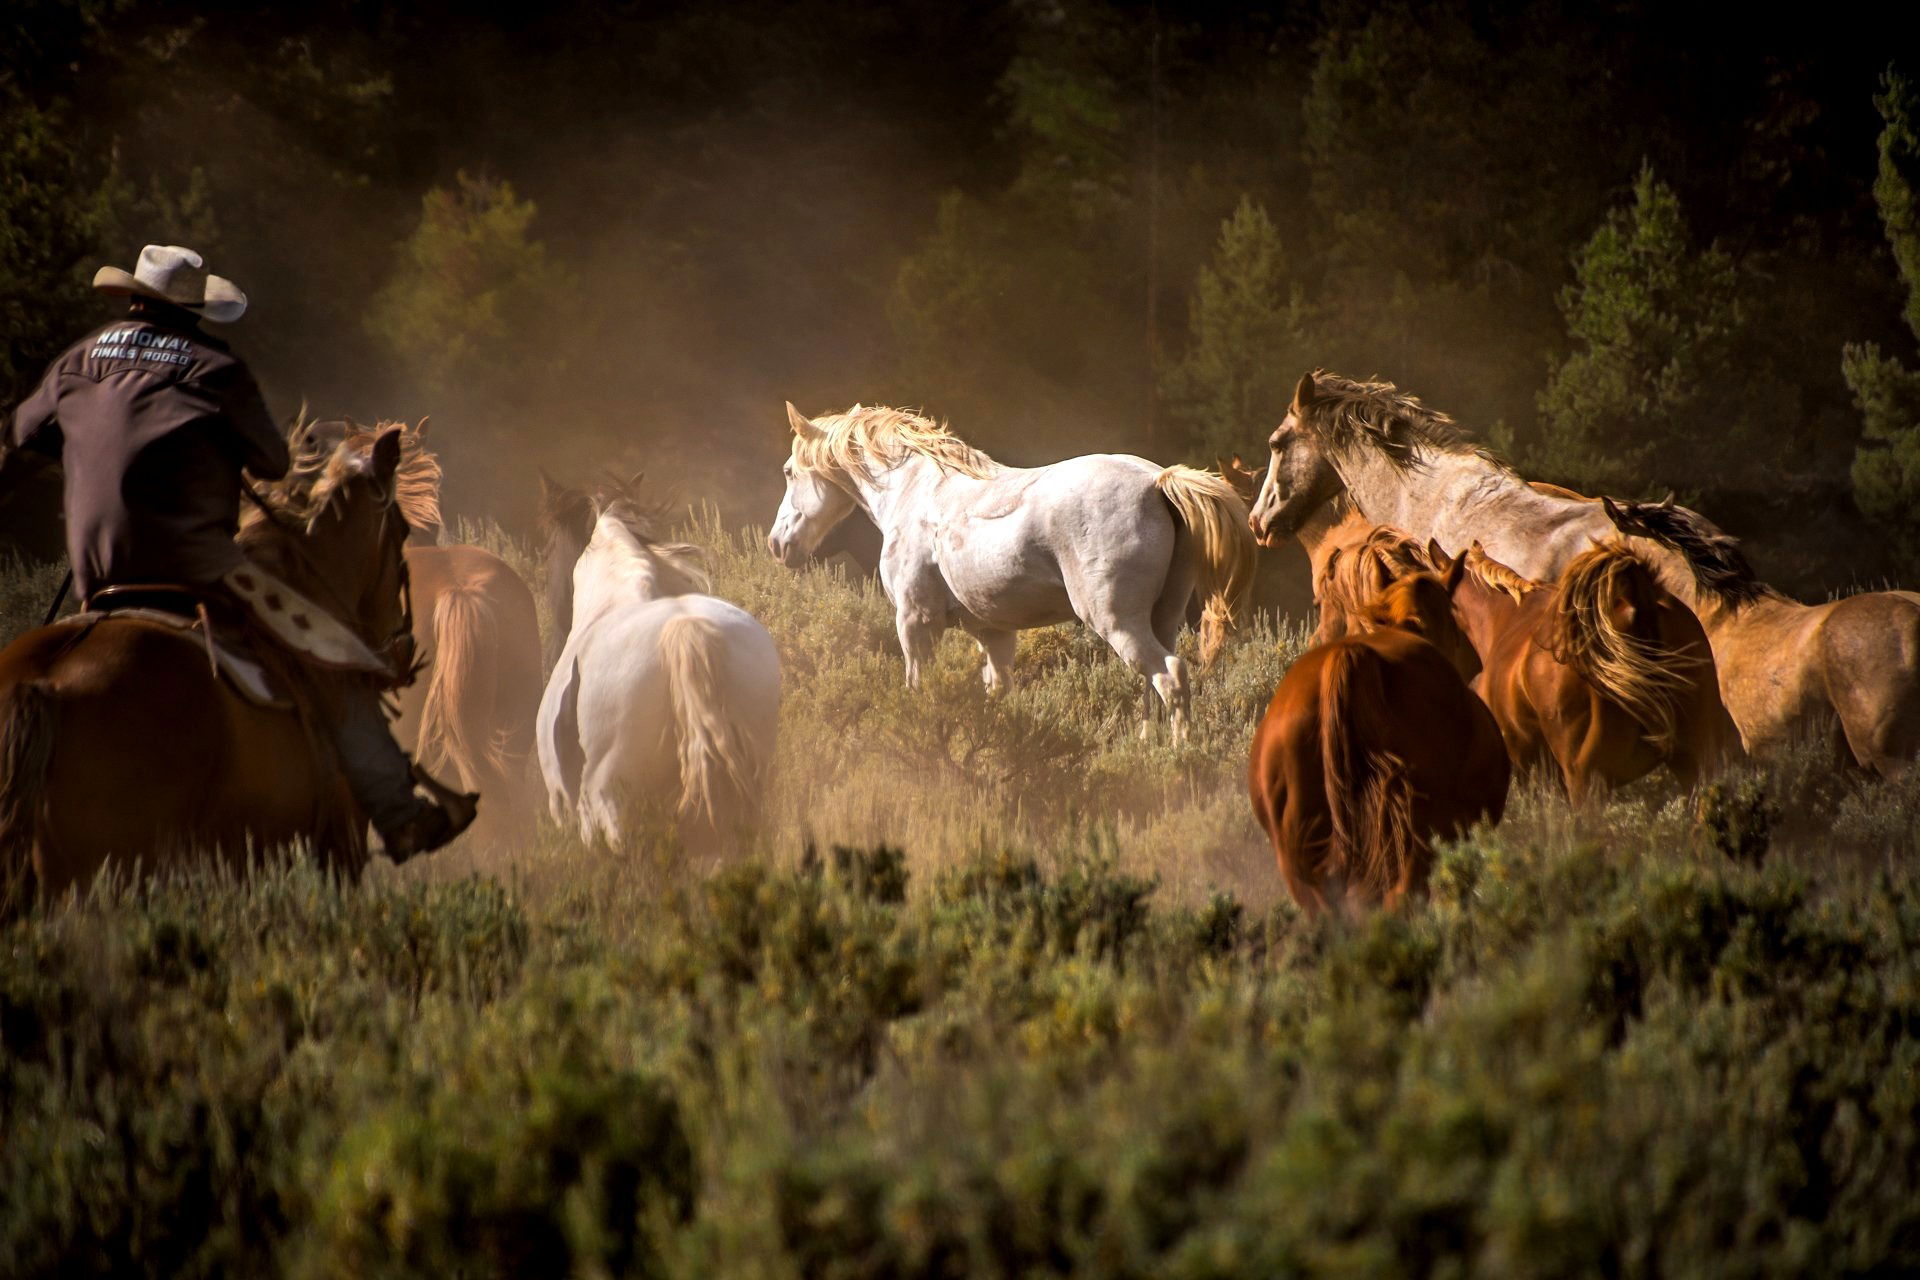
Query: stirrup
point(461, 806)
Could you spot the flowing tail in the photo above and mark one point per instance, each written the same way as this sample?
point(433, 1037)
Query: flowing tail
point(457, 733)
point(1631, 666)
point(1217, 516)
point(1374, 846)
point(721, 771)
point(26, 749)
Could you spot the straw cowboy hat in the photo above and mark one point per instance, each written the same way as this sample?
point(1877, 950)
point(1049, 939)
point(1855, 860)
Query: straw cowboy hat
point(173, 274)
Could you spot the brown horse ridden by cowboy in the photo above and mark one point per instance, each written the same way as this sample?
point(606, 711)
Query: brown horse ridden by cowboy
point(476, 632)
point(117, 738)
point(1372, 747)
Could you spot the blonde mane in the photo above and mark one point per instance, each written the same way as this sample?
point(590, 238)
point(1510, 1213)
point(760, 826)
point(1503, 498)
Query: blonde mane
point(1637, 672)
point(868, 439)
point(1490, 573)
point(327, 454)
point(1369, 559)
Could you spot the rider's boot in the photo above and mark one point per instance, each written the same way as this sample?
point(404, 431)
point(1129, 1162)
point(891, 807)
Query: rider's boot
point(383, 780)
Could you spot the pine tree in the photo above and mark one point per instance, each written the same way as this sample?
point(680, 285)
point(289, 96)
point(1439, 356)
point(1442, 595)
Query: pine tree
point(469, 267)
point(1247, 341)
point(1650, 396)
point(1886, 466)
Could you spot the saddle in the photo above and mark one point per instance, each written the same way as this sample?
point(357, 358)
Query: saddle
point(190, 614)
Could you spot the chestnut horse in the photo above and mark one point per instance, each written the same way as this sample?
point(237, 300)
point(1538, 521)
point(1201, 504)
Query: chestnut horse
point(1373, 746)
point(1603, 675)
point(118, 742)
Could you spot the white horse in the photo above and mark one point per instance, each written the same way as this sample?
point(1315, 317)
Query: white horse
point(1399, 463)
point(1116, 541)
point(662, 694)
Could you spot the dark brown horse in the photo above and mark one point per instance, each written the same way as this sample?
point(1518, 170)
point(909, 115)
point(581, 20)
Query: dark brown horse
point(118, 742)
point(1372, 747)
point(470, 716)
point(1603, 676)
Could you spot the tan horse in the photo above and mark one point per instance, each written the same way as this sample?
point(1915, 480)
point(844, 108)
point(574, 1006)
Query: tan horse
point(117, 741)
point(1372, 747)
point(1787, 669)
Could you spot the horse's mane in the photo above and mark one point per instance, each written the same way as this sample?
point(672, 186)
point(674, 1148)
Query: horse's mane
point(1489, 572)
point(325, 456)
point(1348, 414)
point(1354, 575)
point(873, 437)
point(575, 511)
point(1634, 670)
point(1714, 558)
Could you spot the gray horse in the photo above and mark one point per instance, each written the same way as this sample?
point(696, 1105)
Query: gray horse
point(1402, 464)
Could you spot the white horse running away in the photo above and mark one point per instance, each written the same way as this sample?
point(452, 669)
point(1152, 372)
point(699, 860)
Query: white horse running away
point(662, 695)
point(1116, 541)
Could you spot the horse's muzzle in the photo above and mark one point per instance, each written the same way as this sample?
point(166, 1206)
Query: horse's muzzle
point(786, 551)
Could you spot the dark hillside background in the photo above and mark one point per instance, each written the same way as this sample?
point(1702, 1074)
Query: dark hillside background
point(1625, 243)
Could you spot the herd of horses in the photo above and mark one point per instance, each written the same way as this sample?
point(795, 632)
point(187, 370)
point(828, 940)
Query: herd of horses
point(1473, 626)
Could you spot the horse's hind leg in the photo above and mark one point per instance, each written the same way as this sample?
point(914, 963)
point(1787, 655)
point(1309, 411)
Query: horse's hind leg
point(1165, 671)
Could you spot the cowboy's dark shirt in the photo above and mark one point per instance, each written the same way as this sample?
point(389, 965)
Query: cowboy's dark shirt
point(153, 421)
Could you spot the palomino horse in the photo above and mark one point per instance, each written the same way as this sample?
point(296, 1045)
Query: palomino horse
point(118, 742)
point(1112, 540)
point(1402, 464)
point(662, 693)
point(1603, 674)
point(1789, 669)
point(1373, 746)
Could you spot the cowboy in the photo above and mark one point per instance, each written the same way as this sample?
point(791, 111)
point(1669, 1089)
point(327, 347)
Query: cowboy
point(153, 420)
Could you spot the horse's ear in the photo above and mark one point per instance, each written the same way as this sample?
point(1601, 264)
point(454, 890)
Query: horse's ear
point(801, 424)
point(1666, 503)
point(633, 481)
point(386, 453)
point(1614, 513)
point(1437, 556)
point(1455, 572)
point(420, 431)
point(1304, 394)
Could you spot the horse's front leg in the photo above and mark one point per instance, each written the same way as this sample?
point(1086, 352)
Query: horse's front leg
point(996, 648)
point(920, 631)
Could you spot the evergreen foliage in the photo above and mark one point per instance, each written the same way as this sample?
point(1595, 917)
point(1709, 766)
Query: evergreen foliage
point(1249, 336)
point(1886, 470)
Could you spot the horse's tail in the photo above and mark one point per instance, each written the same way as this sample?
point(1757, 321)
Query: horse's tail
point(1207, 504)
point(720, 769)
point(457, 732)
point(1373, 844)
point(26, 749)
point(1629, 665)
